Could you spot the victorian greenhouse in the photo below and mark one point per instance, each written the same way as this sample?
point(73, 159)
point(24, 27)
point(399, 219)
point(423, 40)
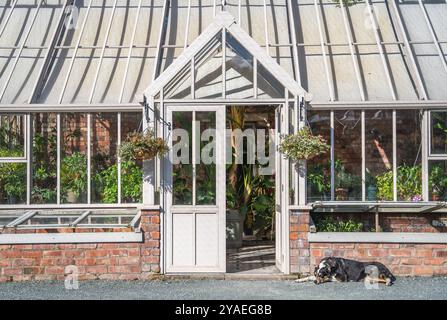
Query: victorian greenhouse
point(149, 135)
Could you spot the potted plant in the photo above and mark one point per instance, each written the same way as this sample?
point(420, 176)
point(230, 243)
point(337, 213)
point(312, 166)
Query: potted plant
point(142, 146)
point(344, 182)
point(371, 190)
point(74, 177)
point(303, 145)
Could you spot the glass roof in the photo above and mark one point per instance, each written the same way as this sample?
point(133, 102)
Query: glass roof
point(381, 50)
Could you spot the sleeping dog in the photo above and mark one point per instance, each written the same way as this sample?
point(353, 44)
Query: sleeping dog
point(343, 270)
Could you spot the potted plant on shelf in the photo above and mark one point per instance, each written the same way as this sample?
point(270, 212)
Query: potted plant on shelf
point(343, 181)
point(371, 190)
point(142, 146)
point(303, 145)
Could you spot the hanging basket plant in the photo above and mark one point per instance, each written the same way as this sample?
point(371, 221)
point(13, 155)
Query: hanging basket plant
point(142, 146)
point(303, 145)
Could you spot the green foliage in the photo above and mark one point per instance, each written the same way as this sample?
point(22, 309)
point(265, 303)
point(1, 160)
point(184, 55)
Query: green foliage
point(409, 183)
point(344, 179)
point(131, 182)
point(438, 180)
point(303, 145)
point(74, 174)
point(12, 178)
point(329, 224)
point(206, 184)
point(142, 146)
point(319, 178)
point(182, 185)
point(44, 168)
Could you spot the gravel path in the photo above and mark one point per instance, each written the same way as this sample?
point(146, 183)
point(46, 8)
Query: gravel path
point(405, 288)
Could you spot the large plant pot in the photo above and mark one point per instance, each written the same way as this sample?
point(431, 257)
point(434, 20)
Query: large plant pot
point(235, 227)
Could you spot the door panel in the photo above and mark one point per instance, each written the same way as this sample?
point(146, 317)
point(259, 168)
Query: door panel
point(195, 204)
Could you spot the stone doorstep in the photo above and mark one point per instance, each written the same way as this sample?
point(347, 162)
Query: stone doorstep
point(228, 276)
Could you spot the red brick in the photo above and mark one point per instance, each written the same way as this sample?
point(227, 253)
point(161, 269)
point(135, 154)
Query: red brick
point(155, 235)
point(423, 271)
point(423, 253)
point(128, 260)
point(23, 262)
point(96, 253)
point(12, 271)
point(401, 252)
point(53, 253)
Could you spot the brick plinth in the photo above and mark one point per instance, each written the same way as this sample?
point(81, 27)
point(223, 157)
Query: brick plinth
point(402, 259)
point(125, 261)
point(299, 245)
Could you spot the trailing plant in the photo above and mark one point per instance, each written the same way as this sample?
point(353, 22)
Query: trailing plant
point(142, 146)
point(303, 145)
point(409, 183)
point(330, 224)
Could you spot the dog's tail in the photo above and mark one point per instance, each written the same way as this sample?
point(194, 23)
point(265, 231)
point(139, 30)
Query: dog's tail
point(306, 279)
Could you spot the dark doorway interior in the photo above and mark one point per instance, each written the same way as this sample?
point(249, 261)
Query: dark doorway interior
point(250, 197)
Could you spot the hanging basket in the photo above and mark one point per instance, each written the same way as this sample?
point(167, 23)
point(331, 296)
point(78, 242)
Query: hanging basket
point(142, 146)
point(303, 145)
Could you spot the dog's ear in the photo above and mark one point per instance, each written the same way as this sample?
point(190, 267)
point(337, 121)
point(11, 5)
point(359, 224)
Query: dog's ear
point(332, 263)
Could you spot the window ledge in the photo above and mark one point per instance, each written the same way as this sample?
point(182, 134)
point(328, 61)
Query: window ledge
point(378, 237)
point(87, 237)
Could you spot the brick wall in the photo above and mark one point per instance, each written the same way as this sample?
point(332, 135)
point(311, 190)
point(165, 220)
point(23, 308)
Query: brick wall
point(125, 261)
point(299, 245)
point(401, 259)
point(404, 259)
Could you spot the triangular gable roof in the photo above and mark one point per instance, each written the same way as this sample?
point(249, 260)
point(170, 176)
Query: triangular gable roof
point(225, 20)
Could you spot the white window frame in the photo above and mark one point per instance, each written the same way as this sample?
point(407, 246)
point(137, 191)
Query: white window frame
point(18, 159)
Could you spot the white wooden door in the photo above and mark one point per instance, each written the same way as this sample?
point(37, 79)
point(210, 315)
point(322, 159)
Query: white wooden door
point(195, 172)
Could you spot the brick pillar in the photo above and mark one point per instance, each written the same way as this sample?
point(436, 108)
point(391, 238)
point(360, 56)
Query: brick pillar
point(299, 244)
point(150, 248)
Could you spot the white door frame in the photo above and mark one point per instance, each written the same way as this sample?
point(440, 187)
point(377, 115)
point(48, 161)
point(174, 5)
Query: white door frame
point(219, 208)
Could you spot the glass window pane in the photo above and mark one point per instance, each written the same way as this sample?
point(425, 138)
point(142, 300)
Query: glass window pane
point(379, 154)
point(208, 78)
point(348, 155)
point(131, 171)
point(73, 158)
point(182, 158)
point(268, 86)
point(319, 168)
point(104, 174)
point(438, 180)
point(44, 156)
point(438, 133)
point(239, 68)
point(12, 183)
point(409, 148)
point(206, 167)
point(12, 136)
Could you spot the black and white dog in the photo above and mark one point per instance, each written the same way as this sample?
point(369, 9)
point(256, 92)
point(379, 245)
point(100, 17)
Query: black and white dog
point(344, 270)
